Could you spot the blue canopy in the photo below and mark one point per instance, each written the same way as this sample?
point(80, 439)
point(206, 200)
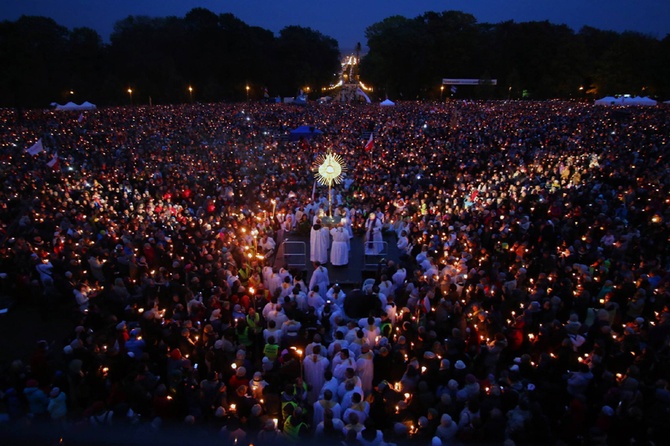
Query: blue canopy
point(304, 131)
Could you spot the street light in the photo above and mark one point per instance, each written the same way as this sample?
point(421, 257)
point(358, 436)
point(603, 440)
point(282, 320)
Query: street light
point(190, 93)
point(441, 91)
point(248, 88)
point(130, 95)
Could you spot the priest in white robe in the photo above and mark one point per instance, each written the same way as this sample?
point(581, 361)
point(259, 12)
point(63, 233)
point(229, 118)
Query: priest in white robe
point(339, 251)
point(315, 367)
point(373, 235)
point(365, 368)
point(328, 402)
point(320, 278)
point(319, 241)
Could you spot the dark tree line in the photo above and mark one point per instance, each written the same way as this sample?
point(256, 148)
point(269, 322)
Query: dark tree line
point(158, 59)
point(219, 56)
point(408, 58)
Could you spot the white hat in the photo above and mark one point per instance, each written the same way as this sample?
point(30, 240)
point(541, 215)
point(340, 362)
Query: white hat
point(460, 365)
point(446, 419)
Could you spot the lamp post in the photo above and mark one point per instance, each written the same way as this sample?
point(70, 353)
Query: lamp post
point(248, 88)
point(190, 93)
point(441, 92)
point(130, 95)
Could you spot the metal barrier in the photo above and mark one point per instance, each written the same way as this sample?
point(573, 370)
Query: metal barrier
point(374, 254)
point(295, 253)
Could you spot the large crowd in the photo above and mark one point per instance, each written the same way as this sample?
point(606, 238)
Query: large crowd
point(529, 304)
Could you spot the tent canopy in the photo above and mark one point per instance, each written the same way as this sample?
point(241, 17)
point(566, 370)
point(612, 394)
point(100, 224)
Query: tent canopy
point(387, 103)
point(304, 131)
point(607, 100)
point(71, 106)
point(623, 100)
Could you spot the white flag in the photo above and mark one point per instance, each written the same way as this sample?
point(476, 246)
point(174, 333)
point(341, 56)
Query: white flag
point(36, 148)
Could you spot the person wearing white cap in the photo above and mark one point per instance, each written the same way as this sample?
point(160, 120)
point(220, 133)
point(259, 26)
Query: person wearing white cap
point(447, 429)
point(57, 406)
point(257, 385)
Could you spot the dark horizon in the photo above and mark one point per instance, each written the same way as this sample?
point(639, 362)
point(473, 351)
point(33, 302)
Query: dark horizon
point(346, 22)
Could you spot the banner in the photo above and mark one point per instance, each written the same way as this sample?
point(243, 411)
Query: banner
point(469, 81)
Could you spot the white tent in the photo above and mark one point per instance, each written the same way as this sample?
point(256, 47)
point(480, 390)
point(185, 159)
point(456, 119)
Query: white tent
point(71, 106)
point(623, 100)
point(644, 101)
point(87, 106)
point(387, 103)
point(607, 100)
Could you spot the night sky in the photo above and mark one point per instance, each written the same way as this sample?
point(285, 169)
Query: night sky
point(346, 20)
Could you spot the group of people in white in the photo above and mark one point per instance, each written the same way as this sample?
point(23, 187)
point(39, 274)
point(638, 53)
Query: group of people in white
point(334, 237)
point(338, 369)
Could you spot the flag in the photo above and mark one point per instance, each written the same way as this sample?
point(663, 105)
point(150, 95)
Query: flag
point(369, 145)
point(453, 89)
point(81, 118)
point(54, 162)
point(36, 148)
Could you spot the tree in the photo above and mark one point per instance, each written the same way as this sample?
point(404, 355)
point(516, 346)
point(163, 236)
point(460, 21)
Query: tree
point(627, 65)
point(307, 58)
point(32, 51)
point(85, 64)
point(219, 55)
point(397, 57)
